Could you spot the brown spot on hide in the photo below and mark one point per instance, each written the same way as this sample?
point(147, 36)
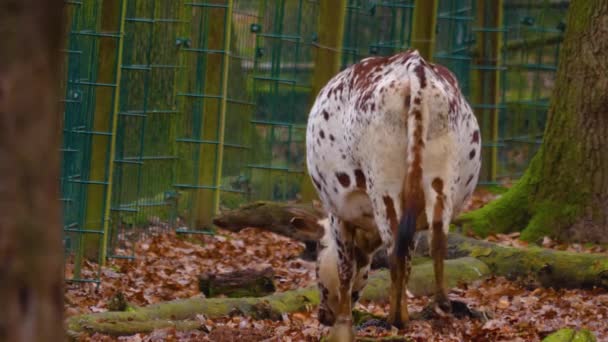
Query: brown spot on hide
point(472, 154)
point(469, 180)
point(343, 179)
point(322, 134)
point(475, 139)
point(417, 100)
point(317, 183)
point(390, 212)
point(362, 70)
point(446, 75)
point(331, 137)
point(437, 185)
point(325, 115)
point(420, 72)
point(439, 241)
point(360, 179)
point(417, 115)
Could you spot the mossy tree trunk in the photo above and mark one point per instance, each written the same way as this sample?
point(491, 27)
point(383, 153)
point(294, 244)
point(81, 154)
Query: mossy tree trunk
point(564, 192)
point(31, 280)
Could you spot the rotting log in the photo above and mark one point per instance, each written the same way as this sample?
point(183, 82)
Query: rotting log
point(539, 266)
point(296, 221)
point(181, 314)
point(546, 267)
point(242, 283)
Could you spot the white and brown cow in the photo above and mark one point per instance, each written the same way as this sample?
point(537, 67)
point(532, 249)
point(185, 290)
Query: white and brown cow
point(391, 144)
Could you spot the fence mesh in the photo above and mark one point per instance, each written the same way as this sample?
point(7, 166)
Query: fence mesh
point(177, 109)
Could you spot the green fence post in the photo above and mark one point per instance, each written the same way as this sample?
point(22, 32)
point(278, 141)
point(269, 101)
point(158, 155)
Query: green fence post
point(223, 104)
point(327, 60)
point(486, 77)
point(204, 205)
point(104, 129)
point(115, 108)
point(424, 26)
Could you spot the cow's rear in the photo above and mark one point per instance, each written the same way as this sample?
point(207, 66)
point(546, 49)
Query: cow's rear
point(391, 145)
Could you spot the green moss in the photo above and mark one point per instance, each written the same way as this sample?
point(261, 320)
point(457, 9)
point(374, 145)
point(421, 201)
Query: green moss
point(178, 313)
point(506, 214)
point(550, 268)
point(547, 216)
point(570, 335)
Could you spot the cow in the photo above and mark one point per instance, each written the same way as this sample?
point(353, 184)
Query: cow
point(392, 147)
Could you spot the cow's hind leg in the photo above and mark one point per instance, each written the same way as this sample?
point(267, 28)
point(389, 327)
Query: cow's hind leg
point(367, 242)
point(386, 207)
point(343, 235)
point(441, 213)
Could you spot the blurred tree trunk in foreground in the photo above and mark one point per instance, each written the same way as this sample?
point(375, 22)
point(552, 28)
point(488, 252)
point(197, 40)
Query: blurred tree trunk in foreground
point(564, 192)
point(31, 278)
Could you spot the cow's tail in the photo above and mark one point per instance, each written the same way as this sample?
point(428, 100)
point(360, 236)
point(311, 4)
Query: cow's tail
point(417, 114)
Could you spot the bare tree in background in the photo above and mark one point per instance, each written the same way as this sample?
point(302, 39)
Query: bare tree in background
point(31, 278)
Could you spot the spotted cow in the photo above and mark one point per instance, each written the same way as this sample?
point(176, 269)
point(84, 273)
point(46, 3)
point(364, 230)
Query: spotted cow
point(391, 145)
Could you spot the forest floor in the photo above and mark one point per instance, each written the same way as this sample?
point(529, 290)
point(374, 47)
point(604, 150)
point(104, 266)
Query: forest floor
point(167, 267)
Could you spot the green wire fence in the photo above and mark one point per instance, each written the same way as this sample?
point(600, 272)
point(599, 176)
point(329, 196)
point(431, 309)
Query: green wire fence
point(175, 109)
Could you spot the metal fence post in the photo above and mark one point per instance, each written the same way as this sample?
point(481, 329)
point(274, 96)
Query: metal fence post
point(103, 130)
point(211, 56)
point(115, 108)
point(424, 27)
point(223, 105)
point(487, 68)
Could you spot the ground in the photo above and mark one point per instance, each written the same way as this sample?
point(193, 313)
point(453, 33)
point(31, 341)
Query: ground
point(167, 266)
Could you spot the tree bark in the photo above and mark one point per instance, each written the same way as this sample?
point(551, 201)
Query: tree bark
point(31, 279)
point(564, 192)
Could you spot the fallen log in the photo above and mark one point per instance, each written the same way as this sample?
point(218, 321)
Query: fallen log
point(296, 221)
point(181, 314)
point(537, 265)
point(242, 283)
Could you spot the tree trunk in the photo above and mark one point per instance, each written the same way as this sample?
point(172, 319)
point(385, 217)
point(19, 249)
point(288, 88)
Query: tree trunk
point(31, 279)
point(564, 192)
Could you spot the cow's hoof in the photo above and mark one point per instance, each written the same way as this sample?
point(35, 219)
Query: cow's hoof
point(462, 309)
point(341, 333)
point(443, 303)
